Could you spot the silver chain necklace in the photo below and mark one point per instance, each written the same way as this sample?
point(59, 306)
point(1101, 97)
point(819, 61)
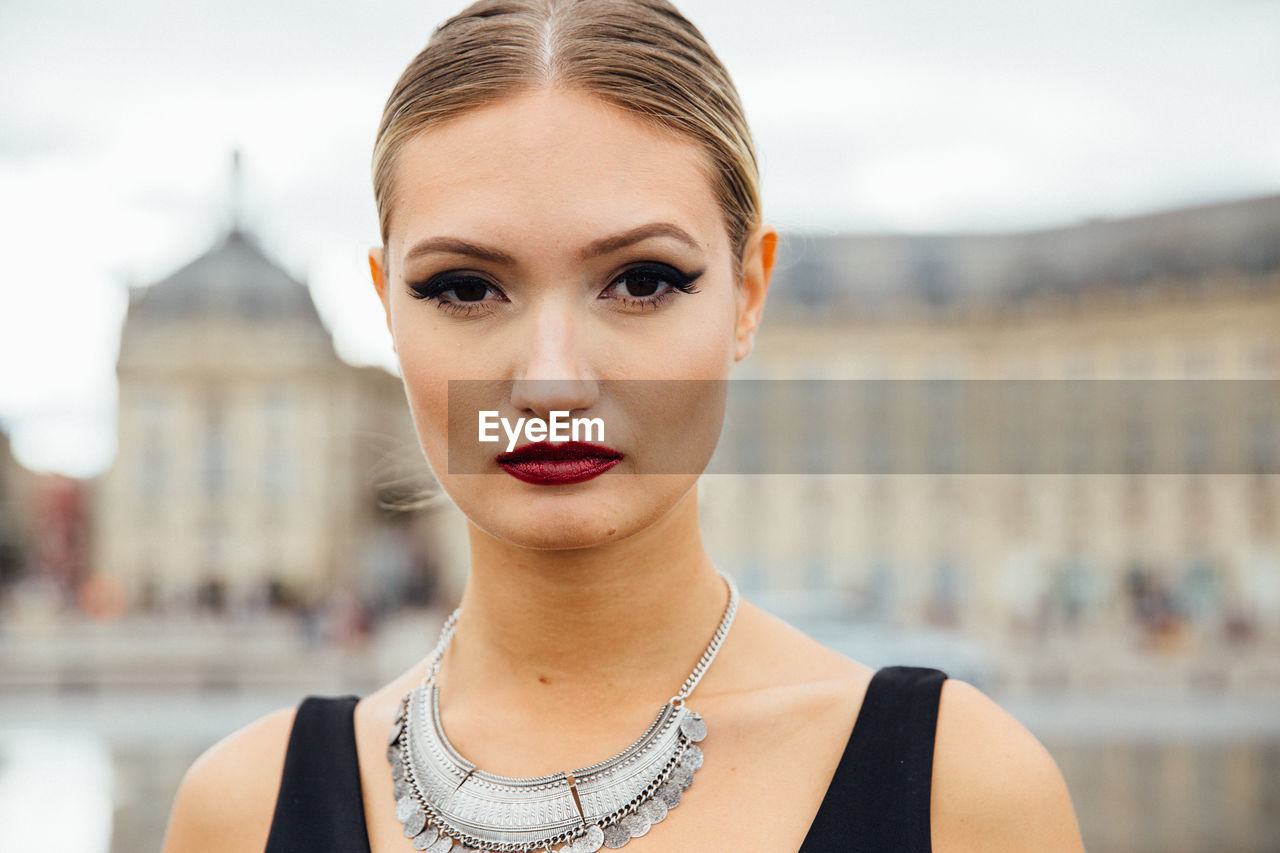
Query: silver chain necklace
point(446, 803)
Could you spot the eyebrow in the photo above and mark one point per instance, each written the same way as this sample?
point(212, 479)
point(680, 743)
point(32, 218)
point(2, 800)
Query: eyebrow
point(458, 246)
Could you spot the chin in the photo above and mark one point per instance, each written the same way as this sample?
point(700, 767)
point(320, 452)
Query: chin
point(590, 515)
point(553, 525)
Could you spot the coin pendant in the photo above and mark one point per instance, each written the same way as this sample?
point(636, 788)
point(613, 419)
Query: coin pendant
point(636, 824)
point(397, 730)
point(397, 771)
point(692, 757)
point(405, 806)
point(443, 845)
point(669, 794)
point(401, 789)
point(415, 824)
point(681, 777)
point(393, 753)
point(425, 839)
point(693, 727)
point(615, 836)
point(655, 810)
point(589, 842)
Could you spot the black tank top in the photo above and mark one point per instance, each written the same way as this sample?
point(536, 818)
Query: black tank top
point(878, 799)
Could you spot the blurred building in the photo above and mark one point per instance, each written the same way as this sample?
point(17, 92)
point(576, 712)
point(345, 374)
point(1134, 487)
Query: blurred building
point(253, 462)
point(14, 485)
point(58, 530)
point(1051, 540)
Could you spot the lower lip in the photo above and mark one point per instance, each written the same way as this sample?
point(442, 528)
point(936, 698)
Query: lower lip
point(559, 472)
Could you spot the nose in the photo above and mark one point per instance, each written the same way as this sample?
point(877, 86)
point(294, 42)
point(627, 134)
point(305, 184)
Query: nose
point(553, 371)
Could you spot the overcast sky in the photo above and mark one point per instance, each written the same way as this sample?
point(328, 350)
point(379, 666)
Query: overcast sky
point(117, 118)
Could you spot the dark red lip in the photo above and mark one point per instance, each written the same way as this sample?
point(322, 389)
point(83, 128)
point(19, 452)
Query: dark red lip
point(546, 464)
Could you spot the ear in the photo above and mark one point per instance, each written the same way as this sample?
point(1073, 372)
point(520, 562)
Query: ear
point(377, 270)
point(757, 268)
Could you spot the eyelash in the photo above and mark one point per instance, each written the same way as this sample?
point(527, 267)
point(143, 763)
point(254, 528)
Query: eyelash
point(434, 288)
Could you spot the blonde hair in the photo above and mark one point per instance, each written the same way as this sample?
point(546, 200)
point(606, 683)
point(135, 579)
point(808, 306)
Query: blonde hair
point(640, 55)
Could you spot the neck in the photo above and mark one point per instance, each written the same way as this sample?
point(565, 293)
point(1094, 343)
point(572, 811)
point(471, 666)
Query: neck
point(547, 627)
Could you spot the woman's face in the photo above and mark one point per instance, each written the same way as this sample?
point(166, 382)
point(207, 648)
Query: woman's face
point(555, 248)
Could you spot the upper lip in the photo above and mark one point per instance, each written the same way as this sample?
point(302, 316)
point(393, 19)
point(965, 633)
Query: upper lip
point(540, 451)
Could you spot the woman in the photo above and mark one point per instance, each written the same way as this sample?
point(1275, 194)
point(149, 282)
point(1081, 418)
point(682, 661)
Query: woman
point(568, 200)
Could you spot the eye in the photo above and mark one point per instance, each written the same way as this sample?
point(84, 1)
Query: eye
point(648, 285)
point(459, 293)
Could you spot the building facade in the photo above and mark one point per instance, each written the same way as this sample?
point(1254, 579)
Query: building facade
point(1045, 526)
point(253, 462)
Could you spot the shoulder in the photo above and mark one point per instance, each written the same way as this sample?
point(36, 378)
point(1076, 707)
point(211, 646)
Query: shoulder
point(227, 797)
point(995, 787)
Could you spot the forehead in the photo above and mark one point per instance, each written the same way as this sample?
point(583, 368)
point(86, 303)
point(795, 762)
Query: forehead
point(551, 167)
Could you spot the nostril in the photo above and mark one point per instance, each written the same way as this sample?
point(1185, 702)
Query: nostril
point(540, 397)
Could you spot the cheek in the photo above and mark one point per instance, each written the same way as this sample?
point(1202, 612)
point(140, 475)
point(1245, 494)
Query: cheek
point(708, 343)
point(695, 340)
point(426, 372)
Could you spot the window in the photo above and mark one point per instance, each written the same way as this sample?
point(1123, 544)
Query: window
point(151, 418)
point(215, 466)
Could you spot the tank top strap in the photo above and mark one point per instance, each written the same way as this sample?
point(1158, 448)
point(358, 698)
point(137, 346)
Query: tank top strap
point(879, 796)
point(320, 805)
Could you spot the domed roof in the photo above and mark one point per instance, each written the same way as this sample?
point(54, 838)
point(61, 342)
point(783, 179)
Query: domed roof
point(233, 279)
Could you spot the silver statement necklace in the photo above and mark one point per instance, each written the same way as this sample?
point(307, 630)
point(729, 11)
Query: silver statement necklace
point(446, 803)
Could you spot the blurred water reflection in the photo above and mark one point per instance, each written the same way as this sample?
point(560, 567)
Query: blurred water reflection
point(57, 790)
point(1183, 768)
